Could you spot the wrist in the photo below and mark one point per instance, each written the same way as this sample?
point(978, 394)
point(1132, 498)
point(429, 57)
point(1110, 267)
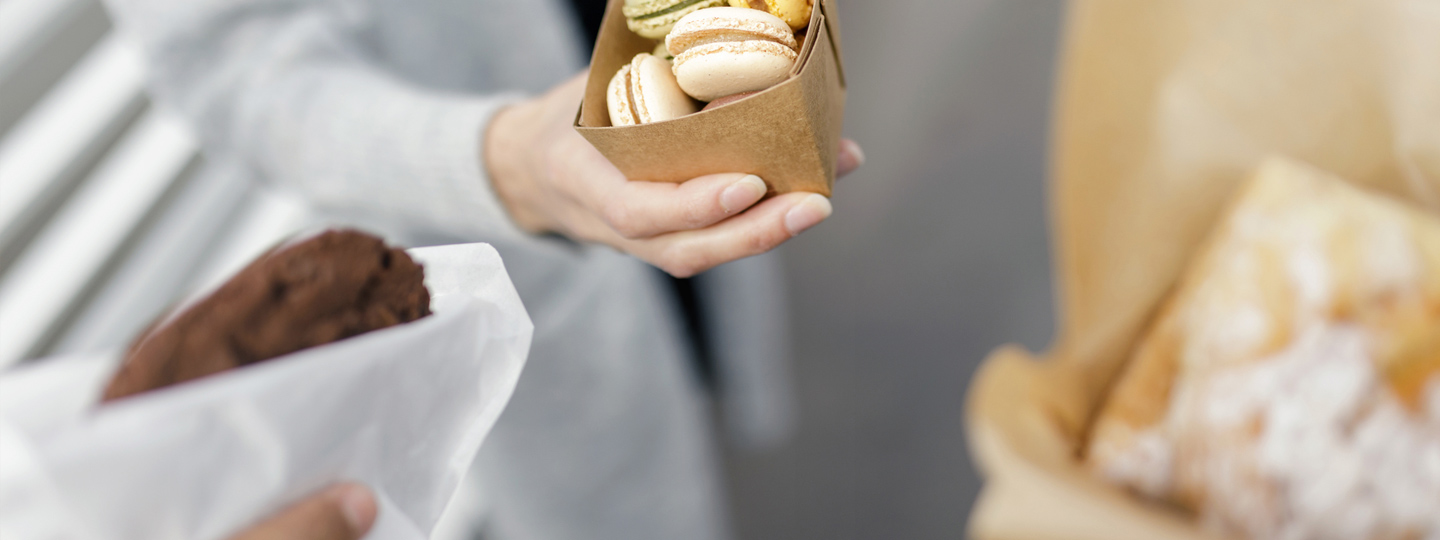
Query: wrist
point(505, 153)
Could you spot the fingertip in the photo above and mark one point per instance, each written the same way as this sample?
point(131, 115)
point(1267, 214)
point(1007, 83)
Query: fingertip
point(854, 149)
point(358, 506)
point(808, 212)
point(850, 158)
point(742, 194)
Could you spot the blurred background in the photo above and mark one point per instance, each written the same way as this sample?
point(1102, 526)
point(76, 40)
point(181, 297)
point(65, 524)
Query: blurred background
point(937, 254)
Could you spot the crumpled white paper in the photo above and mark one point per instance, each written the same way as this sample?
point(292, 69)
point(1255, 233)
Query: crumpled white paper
point(402, 410)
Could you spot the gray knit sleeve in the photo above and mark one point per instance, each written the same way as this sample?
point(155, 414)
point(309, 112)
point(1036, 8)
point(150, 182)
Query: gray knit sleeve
point(283, 87)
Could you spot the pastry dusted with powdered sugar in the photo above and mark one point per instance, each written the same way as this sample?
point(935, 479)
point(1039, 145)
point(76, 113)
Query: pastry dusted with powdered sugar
point(1288, 388)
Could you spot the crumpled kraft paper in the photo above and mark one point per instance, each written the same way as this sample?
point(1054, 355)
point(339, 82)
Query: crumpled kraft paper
point(402, 410)
point(1163, 109)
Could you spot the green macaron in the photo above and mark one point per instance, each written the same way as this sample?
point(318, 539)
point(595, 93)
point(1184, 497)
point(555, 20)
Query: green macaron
point(654, 18)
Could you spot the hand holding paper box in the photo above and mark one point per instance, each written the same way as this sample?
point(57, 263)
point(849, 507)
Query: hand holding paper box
point(686, 194)
point(553, 181)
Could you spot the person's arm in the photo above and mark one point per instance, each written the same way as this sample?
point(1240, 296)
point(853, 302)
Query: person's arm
point(342, 512)
point(282, 86)
point(279, 85)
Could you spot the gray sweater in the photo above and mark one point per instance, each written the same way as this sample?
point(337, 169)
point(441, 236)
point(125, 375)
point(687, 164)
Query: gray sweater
point(371, 112)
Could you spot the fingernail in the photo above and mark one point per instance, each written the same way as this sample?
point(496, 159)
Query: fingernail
point(358, 506)
point(742, 194)
point(808, 213)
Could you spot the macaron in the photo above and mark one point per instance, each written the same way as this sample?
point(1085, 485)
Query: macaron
point(727, 50)
point(726, 101)
point(662, 52)
point(795, 13)
point(653, 18)
point(645, 91)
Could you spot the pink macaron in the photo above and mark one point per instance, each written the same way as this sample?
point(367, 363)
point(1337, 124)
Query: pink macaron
point(726, 50)
point(645, 91)
point(716, 104)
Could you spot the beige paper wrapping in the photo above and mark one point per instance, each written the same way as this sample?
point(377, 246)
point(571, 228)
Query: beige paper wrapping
point(1163, 108)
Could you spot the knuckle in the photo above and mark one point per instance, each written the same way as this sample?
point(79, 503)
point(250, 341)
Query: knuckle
point(698, 213)
point(682, 272)
point(619, 216)
point(761, 241)
point(676, 262)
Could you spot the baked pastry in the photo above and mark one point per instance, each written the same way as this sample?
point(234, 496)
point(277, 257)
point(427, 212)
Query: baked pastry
point(1287, 389)
point(795, 13)
point(654, 18)
point(339, 284)
point(645, 91)
point(725, 51)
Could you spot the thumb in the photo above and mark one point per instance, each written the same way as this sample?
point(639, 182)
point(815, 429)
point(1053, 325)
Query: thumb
point(341, 512)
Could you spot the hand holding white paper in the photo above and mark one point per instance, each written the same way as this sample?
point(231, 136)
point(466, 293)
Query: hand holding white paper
point(402, 410)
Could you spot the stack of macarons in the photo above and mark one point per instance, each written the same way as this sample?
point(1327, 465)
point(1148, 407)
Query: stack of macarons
point(645, 91)
point(722, 50)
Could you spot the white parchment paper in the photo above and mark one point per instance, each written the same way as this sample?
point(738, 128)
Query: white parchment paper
point(402, 410)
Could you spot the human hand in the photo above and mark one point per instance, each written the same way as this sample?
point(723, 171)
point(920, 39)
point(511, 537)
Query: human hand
point(553, 181)
point(341, 512)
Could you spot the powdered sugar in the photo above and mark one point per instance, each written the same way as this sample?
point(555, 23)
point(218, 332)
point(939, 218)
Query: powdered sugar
point(1304, 444)
point(1145, 462)
point(1283, 419)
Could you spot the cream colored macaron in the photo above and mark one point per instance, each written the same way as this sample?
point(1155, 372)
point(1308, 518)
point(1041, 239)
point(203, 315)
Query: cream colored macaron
point(645, 91)
point(726, 50)
point(795, 13)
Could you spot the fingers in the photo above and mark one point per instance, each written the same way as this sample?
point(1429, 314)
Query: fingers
point(342, 512)
point(851, 157)
point(646, 209)
point(756, 231)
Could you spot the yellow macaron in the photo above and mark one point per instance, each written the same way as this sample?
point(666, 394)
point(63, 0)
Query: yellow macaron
point(795, 13)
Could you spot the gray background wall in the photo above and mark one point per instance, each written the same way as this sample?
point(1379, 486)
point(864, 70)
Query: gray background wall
point(936, 254)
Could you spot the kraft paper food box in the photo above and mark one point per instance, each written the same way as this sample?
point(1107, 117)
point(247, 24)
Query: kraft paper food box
point(788, 134)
